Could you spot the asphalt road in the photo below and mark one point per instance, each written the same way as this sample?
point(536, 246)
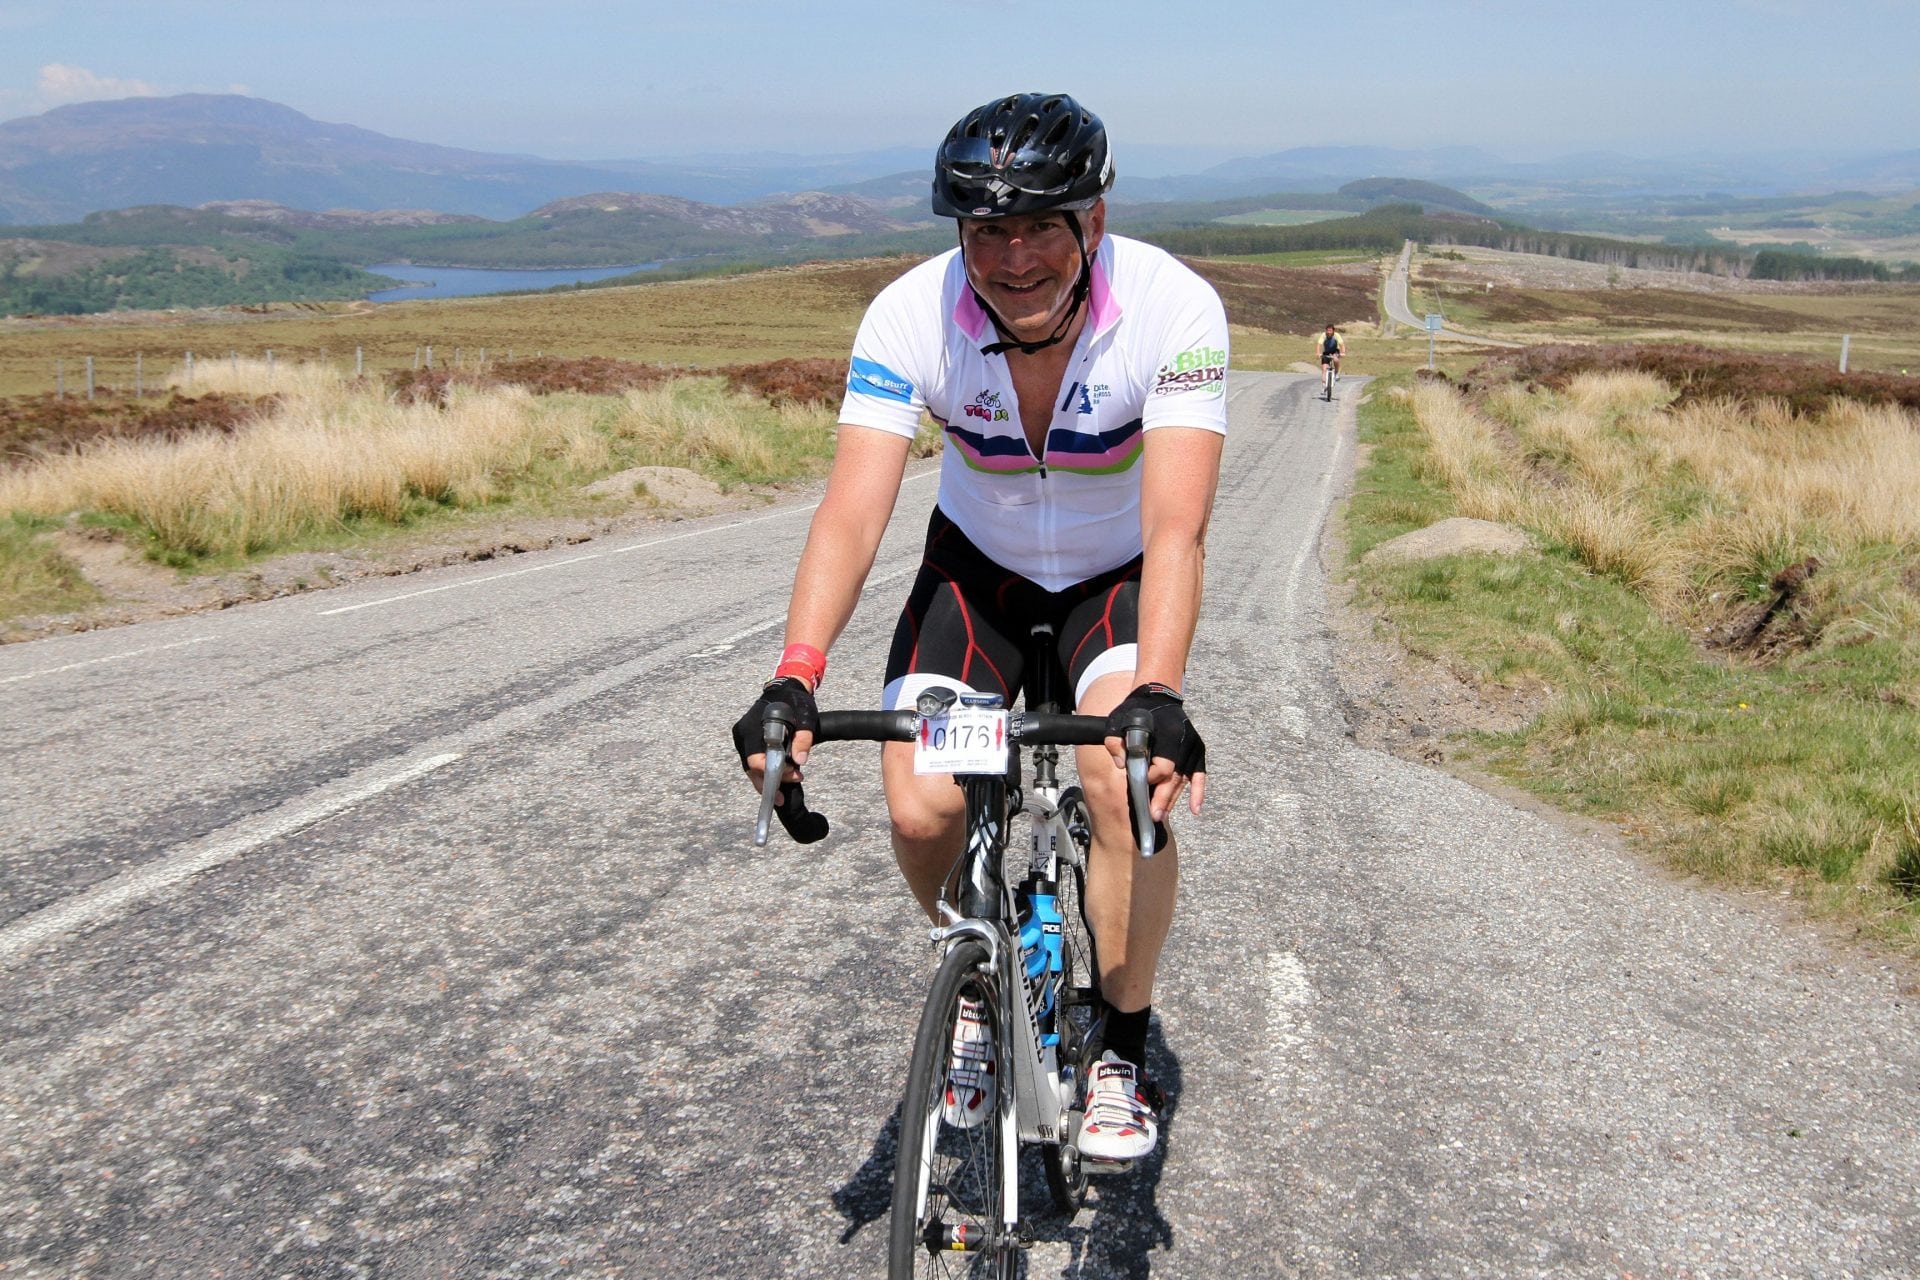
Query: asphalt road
point(1394, 297)
point(412, 929)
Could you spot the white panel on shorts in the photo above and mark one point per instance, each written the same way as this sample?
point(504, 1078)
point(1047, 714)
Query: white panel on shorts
point(1122, 657)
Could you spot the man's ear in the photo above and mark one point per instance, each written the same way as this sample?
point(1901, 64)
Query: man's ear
point(1096, 225)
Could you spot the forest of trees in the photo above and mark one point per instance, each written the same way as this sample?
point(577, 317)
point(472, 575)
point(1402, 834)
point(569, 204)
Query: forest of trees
point(158, 278)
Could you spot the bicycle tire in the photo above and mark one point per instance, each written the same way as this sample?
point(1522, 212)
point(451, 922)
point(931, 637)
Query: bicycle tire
point(1078, 999)
point(946, 1176)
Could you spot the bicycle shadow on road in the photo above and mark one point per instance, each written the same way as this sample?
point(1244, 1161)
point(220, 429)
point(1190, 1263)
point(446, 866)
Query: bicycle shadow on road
point(1112, 1237)
point(867, 1196)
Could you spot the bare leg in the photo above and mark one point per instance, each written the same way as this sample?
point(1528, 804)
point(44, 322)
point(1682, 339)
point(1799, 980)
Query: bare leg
point(929, 817)
point(1130, 899)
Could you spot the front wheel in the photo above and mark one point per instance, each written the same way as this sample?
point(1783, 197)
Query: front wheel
point(955, 1161)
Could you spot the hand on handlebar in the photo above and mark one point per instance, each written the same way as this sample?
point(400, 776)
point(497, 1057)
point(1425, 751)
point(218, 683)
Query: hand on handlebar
point(781, 724)
point(1179, 753)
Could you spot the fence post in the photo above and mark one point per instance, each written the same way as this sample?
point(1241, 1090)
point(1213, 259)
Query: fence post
point(269, 366)
point(456, 357)
point(1846, 341)
point(89, 377)
point(483, 356)
point(429, 357)
point(189, 368)
point(59, 380)
point(139, 374)
point(359, 362)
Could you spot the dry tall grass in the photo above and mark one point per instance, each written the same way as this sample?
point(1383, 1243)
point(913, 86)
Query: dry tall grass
point(335, 451)
point(247, 376)
point(1691, 506)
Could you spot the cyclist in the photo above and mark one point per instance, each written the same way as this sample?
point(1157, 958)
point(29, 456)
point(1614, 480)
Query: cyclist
point(1080, 379)
point(1332, 347)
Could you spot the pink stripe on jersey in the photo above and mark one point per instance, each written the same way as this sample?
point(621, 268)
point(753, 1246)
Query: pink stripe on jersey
point(968, 313)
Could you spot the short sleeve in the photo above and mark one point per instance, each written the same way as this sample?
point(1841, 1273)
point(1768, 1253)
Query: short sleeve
point(1189, 386)
point(882, 390)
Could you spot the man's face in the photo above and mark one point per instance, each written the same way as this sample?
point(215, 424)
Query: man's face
point(1026, 267)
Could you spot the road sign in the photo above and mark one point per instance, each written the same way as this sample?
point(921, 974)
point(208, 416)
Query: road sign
point(1433, 324)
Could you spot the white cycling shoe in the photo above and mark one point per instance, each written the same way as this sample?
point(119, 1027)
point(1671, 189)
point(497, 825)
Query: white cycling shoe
point(969, 1095)
point(1122, 1121)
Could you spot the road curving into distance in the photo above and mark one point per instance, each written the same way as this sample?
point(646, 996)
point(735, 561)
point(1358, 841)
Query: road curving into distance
point(1393, 296)
point(412, 928)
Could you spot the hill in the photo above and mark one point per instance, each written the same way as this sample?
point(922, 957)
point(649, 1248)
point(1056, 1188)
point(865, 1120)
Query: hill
point(195, 149)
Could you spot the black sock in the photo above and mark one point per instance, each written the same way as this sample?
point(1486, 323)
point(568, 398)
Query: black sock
point(1126, 1034)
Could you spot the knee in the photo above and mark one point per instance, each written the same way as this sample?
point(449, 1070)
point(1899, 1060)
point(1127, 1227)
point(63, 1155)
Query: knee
point(1106, 790)
point(920, 816)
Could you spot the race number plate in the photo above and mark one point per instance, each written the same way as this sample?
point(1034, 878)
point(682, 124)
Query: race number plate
point(962, 739)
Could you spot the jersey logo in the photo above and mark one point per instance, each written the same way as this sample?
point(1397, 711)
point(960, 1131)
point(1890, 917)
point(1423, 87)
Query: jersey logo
point(1202, 370)
point(871, 378)
point(986, 407)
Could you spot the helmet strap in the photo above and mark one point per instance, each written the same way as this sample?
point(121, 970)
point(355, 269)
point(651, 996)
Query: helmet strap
point(1082, 288)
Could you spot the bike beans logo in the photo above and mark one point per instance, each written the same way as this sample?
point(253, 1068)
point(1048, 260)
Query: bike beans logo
point(1202, 371)
point(986, 407)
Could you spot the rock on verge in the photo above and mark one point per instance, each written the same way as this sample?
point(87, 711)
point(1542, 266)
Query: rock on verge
point(1452, 537)
point(685, 491)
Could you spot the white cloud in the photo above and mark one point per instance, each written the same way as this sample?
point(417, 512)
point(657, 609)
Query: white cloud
point(60, 83)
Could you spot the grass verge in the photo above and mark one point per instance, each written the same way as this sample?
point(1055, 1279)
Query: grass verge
point(1748, 724)
point(34, 577)
point(331, 459)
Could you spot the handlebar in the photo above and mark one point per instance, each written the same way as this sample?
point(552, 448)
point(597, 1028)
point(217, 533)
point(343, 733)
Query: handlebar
point(1037, 728)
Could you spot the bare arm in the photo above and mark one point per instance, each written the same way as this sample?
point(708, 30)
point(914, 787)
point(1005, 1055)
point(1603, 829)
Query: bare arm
point(841, 543)
point(845, 535)
point(1181, 472)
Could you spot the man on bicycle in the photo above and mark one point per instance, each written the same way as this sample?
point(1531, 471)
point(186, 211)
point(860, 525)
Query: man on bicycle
point(1080, 379)
point(1332, 347)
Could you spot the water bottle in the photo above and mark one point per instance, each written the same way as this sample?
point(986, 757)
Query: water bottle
point(1040, 949)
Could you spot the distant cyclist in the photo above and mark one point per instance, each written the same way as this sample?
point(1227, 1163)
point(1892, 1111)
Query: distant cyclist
point(1080, 379)
point(1332, 347)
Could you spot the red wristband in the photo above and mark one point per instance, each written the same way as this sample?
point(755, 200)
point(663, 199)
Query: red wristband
point(802, 661)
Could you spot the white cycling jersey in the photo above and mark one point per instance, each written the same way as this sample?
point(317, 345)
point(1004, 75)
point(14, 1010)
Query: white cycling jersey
point(1153, 353)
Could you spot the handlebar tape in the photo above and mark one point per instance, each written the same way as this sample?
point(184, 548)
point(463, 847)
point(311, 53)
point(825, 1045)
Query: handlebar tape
point(802, 823)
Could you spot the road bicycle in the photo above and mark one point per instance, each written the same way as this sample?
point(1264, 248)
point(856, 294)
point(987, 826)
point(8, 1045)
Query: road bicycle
point(1016, 958)
point(1326, 377)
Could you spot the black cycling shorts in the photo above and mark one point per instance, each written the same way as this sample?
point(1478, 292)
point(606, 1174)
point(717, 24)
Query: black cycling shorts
point(967, 622)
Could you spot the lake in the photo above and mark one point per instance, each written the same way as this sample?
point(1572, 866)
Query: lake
point(468, 282)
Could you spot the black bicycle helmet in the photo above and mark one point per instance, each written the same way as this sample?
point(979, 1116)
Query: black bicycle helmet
point(1029, 153)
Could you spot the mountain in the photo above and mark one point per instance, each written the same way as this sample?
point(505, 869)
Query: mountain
point(197, 149)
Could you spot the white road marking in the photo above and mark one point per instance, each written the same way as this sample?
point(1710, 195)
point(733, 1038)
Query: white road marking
point(247, 834)
point(455, 586)
point(1289, 993)
point(213, 850)
point(591, 555)
point(112, 657)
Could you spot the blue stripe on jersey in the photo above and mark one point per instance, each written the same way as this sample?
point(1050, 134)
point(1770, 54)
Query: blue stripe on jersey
point(990, 446)
point(1060, 440)
point(871, 378)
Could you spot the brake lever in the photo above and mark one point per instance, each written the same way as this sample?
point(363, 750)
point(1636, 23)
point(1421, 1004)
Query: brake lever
point(776, 735)
point(1139, 799)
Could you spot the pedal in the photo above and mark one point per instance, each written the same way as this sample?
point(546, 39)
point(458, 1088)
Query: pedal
point(1101, 1168)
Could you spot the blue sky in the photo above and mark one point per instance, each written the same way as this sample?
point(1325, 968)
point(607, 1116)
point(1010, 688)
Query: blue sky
point(576, 80)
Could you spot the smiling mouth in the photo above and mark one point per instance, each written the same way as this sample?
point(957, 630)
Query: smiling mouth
point(1022, 290)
